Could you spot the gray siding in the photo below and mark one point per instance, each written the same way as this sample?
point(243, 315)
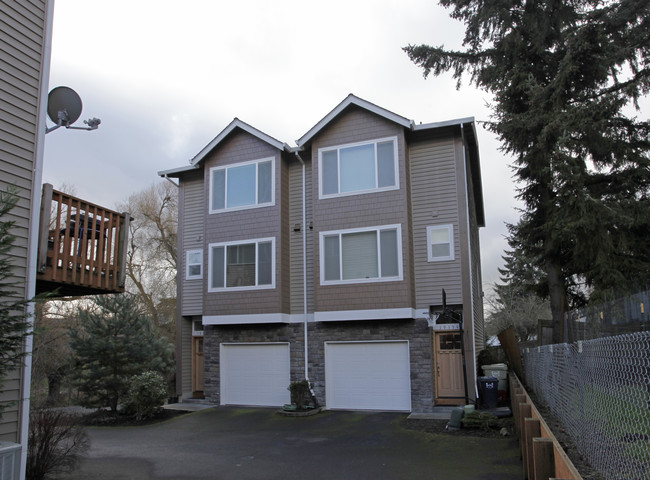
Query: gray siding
point(364, 210)
point(248, 224)
point(192, 211)
point(22, 54)
point(477, 277)
point(185, 357)
point(434, 197)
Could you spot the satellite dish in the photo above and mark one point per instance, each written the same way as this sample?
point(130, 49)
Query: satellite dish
point(64, 104)
point(64, 108)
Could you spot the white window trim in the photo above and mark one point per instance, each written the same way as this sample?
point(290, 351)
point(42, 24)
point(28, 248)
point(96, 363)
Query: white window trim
point(321, 195)
point(243, 207)
point(256, 241)
point(450, 230)
point(379, 228)
point(188, 264)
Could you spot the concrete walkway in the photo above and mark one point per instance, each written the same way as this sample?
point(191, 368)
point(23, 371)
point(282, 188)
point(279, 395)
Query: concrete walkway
point(226, 443)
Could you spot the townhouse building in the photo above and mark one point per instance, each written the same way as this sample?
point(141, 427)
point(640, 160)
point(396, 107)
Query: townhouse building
point(328, 261)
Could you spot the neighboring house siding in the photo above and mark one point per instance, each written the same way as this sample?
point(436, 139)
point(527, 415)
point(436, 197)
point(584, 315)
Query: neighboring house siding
point(264, 222)
point(362, 210)
point(297, 274)
point(21, 56)
point(192, 220)
point(186, 356)
point(477, 279)
point(434, 196)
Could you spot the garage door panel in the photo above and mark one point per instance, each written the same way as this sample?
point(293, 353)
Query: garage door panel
point(368, 376)
point(254, 374)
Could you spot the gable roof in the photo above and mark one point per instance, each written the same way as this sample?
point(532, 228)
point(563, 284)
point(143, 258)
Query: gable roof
point(347, 102)
point(232, 126)
point(235, 124)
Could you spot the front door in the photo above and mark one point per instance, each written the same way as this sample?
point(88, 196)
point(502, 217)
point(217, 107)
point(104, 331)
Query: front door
point(197, 366)
point(449, 368)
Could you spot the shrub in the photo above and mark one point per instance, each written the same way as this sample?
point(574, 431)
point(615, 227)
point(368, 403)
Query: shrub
point(484, 420)
point(146, 395)
point(300, 393)
point(56, 444)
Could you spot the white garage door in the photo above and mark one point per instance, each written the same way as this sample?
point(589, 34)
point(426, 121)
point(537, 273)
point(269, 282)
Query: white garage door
point(368, 375)
point(255, 374)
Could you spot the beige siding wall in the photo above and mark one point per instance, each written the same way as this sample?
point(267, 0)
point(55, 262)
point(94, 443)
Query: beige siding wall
point(365, 210)
point(22, 27)
point(247, 224)
point(434, 195)
point(192, 211)
point(295, 180)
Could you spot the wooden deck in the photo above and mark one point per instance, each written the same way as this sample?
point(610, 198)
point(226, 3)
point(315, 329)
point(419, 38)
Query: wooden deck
point(82, 247)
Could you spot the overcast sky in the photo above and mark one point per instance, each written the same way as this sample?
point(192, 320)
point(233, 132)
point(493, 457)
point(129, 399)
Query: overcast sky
point(166, 77)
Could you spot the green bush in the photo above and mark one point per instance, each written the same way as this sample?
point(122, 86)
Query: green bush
point(483, 420)
point(300, 393)
point(146, 395)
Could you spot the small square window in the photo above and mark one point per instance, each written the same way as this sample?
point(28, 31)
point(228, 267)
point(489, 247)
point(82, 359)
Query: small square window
point(194, 262)
point(440, 243)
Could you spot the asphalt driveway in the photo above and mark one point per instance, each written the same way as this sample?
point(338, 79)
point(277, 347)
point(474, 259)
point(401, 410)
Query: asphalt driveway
point(244, 443)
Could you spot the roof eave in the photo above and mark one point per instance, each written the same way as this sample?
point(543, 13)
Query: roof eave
point(348, 101)
point(237, 123)
point(173, 172)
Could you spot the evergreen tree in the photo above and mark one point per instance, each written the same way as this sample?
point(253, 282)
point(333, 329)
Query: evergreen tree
point(563, 75)
point(115, 341)
point(14, 325)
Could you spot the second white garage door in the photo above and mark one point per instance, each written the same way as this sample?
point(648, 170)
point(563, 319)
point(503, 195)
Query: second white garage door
point(255, 374)
point(368, 375)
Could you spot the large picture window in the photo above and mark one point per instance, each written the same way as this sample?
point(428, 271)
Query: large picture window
point(440, 243)
point(361, 255)
point(358, 168)
point(242, 265)
point(243, 185)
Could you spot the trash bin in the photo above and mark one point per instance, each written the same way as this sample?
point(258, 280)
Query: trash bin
point(488, 391)
point(500, 371)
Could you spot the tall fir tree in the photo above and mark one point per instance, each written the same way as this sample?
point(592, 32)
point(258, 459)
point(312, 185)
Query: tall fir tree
point(14, 324)
point(115, 340)
point(563, 75)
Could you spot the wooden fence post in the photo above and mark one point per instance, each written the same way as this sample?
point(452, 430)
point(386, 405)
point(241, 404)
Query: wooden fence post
point(531, 430)
point(543, 459)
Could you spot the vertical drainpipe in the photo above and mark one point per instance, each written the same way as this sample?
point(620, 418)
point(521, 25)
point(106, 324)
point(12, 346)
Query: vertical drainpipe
point(304, 263)
point(469, 248)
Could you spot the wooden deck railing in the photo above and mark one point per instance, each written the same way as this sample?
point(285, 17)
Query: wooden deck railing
point(82, 246)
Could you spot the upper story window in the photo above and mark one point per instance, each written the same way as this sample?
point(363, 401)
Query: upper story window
point(440, 243)
point(361, 255)
point(244, 265)
point(242, 185)
point(358, 168)
point(194, 264)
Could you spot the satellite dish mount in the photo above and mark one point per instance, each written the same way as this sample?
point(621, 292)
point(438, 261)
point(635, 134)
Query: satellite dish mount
point(64, 108)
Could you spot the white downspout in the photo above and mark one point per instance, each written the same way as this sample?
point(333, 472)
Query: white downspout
point(469, 248)
point(304, 263)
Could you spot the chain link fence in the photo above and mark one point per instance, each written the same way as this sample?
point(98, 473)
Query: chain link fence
point(599, 390)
